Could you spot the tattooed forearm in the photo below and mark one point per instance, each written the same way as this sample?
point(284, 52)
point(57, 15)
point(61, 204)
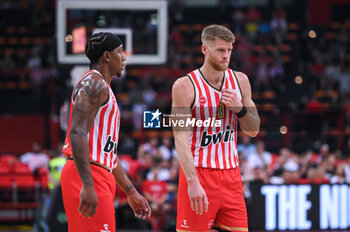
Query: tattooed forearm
point(81, 157)
point(129, 188)
point(83, 167)
point(122, 179)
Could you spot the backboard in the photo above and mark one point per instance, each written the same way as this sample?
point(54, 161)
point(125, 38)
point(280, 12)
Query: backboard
point(141, 25)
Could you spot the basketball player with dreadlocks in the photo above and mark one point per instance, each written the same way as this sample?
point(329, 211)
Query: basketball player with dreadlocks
point(92, 171)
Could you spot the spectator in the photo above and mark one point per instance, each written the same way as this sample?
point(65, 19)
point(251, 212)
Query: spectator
point(262, 75)
point(290, 177)
point(306, 162)
point(238, 19)
point(264, 33)
point(55, 167)
point(332, 71)
point(260, 175)
point(339, 175)
point(279, 25)
point(166, 149)
point(246, 148)
point(156, 192)
point(172, 184)
point(148, 94)
point(150, 147)
point(146, 163)
point(318, 67)
point(252, 15)
point(36, 158)
point(159, 170)
point(35, 60)
point(260, 158)
point(245, 169)
point(276, 69)
point(330, 165)
point(315, 175)
point(285, 167)
point(252, 19)
point(324, 153)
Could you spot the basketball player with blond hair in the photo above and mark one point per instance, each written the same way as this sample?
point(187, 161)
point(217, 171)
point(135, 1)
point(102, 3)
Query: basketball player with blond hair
point(93, 170)
point(210, 185)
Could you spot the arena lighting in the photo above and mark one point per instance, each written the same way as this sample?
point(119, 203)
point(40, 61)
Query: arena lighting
point(283, 130)
point(298, 80)
point(312, 34)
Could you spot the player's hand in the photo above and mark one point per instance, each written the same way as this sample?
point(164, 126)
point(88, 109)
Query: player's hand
point(139, 205)
point(88, 201)
point(231, 100)
point(198, 197)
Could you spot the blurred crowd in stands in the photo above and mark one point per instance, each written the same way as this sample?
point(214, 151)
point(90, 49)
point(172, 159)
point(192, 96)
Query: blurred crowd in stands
point(155, 170)
point(271, 47)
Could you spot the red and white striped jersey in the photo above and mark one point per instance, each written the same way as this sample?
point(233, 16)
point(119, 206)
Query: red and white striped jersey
point(214, 147)
point(104, 133)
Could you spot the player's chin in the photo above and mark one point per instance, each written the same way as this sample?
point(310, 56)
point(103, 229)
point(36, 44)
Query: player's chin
point(222, 67)
point(119, 72)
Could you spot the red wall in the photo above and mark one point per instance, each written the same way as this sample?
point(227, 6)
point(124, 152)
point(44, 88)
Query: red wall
point(18, 132)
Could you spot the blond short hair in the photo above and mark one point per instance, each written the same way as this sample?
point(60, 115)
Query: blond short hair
point(214, 32)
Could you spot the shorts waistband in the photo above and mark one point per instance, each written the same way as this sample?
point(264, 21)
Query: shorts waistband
point(95, 163)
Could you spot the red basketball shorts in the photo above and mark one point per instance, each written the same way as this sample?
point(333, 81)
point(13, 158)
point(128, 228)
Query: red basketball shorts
point(105, 187)
point(226, 210)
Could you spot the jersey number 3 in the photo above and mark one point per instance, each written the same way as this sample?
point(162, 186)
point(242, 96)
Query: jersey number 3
point(220, 111)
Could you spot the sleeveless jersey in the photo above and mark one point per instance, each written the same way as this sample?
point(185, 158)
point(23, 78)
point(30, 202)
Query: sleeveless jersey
point(213, 146)
point(104, 133)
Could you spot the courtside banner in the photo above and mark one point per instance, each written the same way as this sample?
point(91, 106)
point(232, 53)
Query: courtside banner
point(299, 207)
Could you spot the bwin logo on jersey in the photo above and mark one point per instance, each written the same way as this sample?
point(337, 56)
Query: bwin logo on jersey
point(225, 136)
point(151, 119)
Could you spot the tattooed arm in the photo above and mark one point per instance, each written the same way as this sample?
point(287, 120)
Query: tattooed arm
point(136, 201)
point(88, 96)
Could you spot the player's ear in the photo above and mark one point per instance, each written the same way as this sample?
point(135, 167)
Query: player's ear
point(204, 49)
point(106, 56)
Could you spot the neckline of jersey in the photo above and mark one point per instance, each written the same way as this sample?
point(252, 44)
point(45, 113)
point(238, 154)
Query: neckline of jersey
point(222, 84)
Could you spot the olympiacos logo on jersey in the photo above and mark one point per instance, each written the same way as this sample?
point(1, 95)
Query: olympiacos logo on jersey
point(210, 223)
point(184, 224)
point(105, 229)
point(202, 100)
